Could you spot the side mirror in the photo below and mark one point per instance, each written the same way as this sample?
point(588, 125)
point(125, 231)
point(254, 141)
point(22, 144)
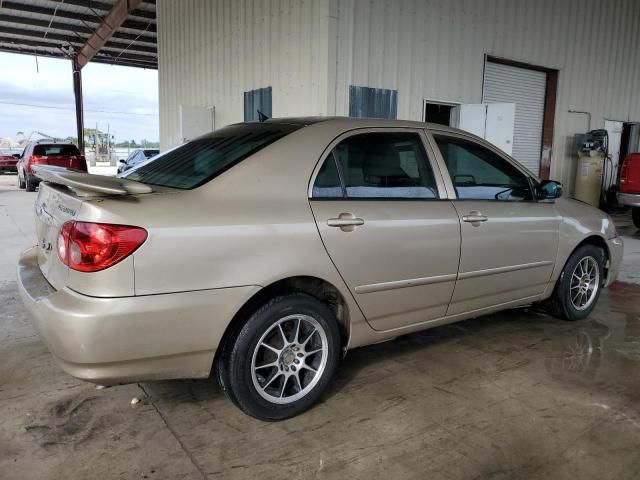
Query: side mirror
point(16, 155)
point(122, 160)
point(549, 190)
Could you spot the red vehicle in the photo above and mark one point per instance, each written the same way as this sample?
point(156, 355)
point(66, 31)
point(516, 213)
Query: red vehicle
point(58, 154)
point(8, 163)
point(629, 193)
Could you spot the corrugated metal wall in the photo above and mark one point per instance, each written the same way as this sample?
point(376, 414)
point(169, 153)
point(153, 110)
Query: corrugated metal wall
point(436, 48)
point(311, 51)
point(212, 51)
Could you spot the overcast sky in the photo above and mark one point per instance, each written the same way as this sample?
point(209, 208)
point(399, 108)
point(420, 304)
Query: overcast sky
point(130, 94)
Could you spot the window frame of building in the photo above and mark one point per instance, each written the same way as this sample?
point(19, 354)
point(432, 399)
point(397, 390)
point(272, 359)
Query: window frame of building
point(370, 102)
point(258, 99)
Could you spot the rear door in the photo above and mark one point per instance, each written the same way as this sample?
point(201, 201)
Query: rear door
point(382, 213)
point(509, 240)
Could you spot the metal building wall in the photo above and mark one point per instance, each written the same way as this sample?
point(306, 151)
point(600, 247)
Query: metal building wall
point(436, 49)
point(311, 51)
point(212, 51)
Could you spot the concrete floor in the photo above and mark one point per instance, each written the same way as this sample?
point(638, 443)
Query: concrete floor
point(512, 395)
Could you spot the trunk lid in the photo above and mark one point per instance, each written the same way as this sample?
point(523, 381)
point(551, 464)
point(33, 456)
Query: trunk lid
point(60, 199)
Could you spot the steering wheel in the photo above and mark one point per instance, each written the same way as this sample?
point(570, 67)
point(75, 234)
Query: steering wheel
point(497, 195)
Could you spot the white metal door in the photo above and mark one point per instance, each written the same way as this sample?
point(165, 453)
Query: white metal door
point(527, 89)
point(500, 126)
point(494, 122)
point(470, 118)
point(614, 128)
point(195, 121)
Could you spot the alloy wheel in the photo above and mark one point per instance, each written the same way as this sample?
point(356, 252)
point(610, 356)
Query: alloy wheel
point(289, 359)
point(585, 282)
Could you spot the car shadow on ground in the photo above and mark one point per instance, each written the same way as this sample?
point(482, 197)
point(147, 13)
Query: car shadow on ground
point(500, 334)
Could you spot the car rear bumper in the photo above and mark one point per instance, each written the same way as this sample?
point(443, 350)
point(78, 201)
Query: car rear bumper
point(616, 249)
point(127, 339)
point(629, 199)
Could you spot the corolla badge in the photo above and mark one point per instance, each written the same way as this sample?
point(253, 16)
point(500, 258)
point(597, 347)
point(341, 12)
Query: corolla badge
point(69, 211)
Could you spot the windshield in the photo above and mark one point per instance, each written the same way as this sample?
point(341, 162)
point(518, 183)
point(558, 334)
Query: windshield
point(199, 161)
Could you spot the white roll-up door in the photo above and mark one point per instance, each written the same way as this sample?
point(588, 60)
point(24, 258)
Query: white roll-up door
point(526, 88)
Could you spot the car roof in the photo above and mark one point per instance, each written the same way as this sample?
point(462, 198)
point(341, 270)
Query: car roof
point(350, 122)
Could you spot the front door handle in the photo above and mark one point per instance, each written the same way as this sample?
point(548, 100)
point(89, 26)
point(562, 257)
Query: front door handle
point(347, 222)
point(475, 218)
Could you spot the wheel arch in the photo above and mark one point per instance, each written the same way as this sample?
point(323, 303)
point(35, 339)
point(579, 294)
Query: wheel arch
point(318, 288)
point(596, 241)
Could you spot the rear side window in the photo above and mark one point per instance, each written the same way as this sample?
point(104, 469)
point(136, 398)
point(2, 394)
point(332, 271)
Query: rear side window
point(47, 150)
point(377, 165)
point(201, 160)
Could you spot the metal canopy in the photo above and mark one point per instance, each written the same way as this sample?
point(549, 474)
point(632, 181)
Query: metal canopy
point(60, 28)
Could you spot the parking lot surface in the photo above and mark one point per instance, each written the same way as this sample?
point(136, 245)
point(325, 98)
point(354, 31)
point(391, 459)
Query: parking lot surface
point(512, 395)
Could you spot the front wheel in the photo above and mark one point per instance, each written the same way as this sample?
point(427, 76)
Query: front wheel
point(578, 288)
point(282, 359)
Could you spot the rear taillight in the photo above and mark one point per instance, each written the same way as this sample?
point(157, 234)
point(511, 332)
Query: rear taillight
point(91, 247)
point(624, 172)
point(39, 159)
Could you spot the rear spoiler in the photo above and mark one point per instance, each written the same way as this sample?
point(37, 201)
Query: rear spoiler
point(87, 185)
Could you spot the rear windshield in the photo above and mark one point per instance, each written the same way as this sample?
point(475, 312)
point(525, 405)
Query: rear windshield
point(201, 160)
point(45, 150)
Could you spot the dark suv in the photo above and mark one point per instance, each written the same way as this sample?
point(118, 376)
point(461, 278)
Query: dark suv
point(40, 153)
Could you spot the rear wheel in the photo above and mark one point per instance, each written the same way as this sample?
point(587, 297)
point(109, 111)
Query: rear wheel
point(30, 184)
point(635, 214)
point(578, 288)
point(21, 184)
point(282, 359)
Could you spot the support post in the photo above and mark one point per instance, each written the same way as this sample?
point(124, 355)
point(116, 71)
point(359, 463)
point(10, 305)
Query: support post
point(77, 93)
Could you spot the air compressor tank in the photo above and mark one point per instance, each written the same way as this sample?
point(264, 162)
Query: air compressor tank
point(589, 177)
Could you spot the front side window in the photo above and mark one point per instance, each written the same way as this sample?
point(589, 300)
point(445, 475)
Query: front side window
point(199, 161)
point(377, 165)
point(478, 173)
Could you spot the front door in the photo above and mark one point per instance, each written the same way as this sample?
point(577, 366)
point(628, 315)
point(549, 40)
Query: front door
point(377, 203)
point(509, 241)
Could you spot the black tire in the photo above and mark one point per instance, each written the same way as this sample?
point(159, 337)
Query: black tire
point(30, 184)
point(234, 368)
point(21, 184)
point(635, 214)
point(560, 303)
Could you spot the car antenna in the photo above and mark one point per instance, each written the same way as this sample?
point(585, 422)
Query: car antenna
point(262, 117)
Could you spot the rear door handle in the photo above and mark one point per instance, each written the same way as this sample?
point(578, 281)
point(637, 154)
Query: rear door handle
point(475, 218)
point(347, 222)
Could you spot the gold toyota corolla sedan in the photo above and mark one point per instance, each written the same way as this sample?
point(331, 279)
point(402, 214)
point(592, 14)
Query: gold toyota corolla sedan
point(262, 252)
